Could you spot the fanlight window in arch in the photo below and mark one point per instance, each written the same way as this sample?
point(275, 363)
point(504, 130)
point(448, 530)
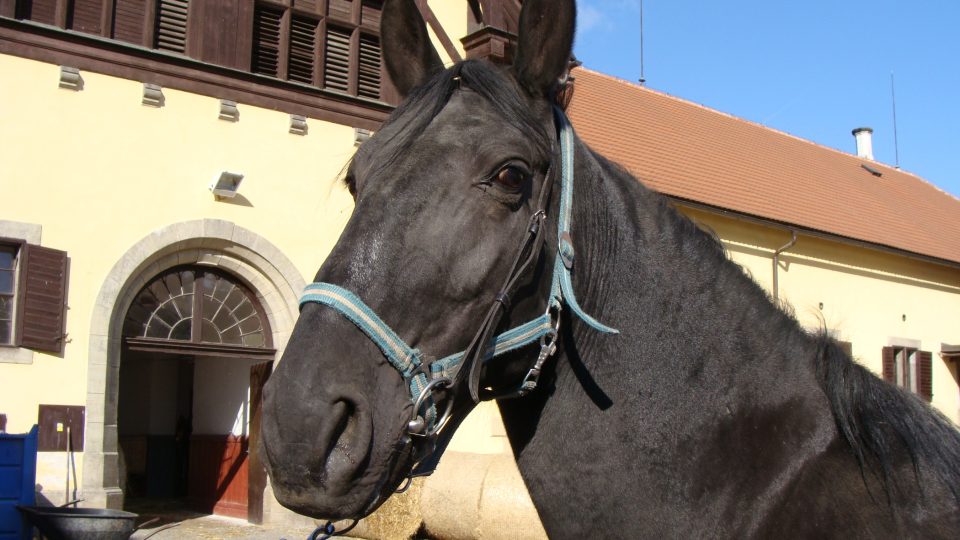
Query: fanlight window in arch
point(197, 305)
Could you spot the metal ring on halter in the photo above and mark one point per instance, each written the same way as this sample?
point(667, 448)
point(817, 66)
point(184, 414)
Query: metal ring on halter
point(553, 311)
point(417, 423)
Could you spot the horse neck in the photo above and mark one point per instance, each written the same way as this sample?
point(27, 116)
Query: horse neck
point(702, 356)
point(650, 271)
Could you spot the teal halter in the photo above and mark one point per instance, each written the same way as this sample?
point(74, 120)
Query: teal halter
point(410, 362)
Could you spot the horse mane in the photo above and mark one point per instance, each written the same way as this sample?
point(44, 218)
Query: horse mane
point(880, 422)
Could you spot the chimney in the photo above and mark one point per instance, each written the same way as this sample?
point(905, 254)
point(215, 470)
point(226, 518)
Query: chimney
point(864, 136)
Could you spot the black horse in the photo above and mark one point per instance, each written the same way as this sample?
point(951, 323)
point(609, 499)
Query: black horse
point(710, 414)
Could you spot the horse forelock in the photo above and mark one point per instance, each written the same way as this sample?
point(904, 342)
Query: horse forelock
point(424, 104)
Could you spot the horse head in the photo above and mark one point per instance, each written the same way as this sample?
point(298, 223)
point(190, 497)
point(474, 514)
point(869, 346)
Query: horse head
point(449, 198)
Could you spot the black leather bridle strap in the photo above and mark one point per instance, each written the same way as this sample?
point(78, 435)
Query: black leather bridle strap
point(527, 254)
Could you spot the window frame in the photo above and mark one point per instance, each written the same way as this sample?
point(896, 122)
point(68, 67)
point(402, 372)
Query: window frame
point(905, 367)
point(195, 345)
point(17, 295)
point(353, 27)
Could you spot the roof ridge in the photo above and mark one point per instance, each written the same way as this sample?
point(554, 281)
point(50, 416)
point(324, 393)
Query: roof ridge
point(661, 93)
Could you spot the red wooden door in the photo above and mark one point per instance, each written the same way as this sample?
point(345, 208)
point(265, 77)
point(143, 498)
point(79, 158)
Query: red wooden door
point(259, 374)
point(219, 474)
point(227, 477)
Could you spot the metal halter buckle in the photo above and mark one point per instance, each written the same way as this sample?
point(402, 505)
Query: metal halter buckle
point(548, 346)
point(418, 425)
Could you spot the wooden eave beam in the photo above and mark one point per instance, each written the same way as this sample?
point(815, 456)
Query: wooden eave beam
point(109, 57)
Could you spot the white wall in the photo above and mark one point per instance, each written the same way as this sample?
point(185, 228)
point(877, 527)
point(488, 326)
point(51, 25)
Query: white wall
point(221, 396)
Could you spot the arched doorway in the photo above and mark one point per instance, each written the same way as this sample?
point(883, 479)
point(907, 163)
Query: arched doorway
point(196, 351)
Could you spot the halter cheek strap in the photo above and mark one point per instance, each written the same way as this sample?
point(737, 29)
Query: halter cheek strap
point(410, 362)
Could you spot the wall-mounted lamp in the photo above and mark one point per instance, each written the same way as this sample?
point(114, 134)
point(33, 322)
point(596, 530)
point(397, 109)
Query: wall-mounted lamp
point(226, 186)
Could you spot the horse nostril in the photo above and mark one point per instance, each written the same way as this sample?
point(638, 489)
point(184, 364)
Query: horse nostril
point(343, 422)
point(342, 441)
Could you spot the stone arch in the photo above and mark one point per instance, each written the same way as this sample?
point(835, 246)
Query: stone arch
point(207, 242)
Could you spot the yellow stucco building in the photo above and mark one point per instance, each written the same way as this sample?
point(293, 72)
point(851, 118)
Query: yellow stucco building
point(166, 175)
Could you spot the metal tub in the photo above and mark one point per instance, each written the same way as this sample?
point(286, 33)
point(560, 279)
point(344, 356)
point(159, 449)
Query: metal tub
point(56, 523)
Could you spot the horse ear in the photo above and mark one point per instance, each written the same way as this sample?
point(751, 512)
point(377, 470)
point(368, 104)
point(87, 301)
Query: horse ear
point(545, 44)
point(408, 52)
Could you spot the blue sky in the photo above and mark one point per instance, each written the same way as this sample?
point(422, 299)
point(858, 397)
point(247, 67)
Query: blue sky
point(816, 69)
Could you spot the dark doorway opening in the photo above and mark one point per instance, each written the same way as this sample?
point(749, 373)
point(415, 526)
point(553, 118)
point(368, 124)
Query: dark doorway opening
point(197, 350)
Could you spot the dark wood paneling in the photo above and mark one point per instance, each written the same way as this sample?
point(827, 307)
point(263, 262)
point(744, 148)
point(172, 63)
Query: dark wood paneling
point(341, 10)
point(217, 28)
point(119, 60)
point(42, 11)
point(54, 421)
point(87, 16)
point(8, 8)
point(309, 6)
point(370, 15)
point(43, 298)
point(219, 475)
point(131, 21)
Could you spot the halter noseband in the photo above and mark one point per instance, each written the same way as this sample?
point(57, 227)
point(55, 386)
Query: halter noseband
point(424, 376)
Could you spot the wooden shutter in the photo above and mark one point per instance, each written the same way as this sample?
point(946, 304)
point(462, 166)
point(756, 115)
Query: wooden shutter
point(311, 6)
point(266, 40)
point(370, 11)
point(172, 25)
point(220, 32)
point(336, 73)
point(368, 84)
point(43, 289)
point(41, 11)
point(87, 16)
point(303, 49)
point(924, 361)
point(341, 10)
point(130, 21)
point(889, 365)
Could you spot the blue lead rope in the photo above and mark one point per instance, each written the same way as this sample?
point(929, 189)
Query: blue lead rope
point(408, 361)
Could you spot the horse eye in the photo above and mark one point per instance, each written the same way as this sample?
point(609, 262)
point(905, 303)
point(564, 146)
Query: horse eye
point(512, 177)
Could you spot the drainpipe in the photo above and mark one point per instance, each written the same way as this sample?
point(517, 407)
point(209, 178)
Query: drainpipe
point(776, 263)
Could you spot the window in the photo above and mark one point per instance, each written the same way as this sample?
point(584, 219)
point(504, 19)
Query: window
point(315, 58)
point(332, 44)
point(337, 48)
point(33, 292)
point(197, 306)
point(909, 368)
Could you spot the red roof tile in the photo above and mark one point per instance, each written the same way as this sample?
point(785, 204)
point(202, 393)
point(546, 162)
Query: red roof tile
point(691, 152)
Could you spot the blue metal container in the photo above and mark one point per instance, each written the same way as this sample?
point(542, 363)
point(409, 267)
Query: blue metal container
point(18, 474)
